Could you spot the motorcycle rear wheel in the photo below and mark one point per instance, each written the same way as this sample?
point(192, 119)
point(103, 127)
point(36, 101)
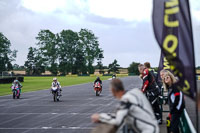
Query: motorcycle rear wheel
point(14, 94)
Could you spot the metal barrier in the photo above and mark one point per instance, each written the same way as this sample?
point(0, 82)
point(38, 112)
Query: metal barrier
point(186, 125)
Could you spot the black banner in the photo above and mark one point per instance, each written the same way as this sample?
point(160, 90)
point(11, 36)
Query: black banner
point(173, 32)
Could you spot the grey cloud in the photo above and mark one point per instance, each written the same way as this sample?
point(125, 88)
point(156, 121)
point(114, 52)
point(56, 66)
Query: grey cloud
point(121, 40)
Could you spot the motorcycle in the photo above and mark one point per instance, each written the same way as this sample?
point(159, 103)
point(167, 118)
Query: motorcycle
point(16, 91)
point(56, 95)
point(97, 88)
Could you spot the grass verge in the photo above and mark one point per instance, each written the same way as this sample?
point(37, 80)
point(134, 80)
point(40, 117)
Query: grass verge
point(41, 83)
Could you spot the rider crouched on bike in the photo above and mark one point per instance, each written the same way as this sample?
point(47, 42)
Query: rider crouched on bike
point(15, 84)
point(98, 80)
point(55, 83)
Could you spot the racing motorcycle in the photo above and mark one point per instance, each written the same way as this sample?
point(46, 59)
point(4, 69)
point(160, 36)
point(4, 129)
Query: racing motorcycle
point(16, 91)
point(56, 95)
point(97, 88)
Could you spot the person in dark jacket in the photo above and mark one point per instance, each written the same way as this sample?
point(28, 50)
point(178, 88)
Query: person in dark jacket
point(175, 100)
point(151, 90)
point(98, 80)
point(151, 70)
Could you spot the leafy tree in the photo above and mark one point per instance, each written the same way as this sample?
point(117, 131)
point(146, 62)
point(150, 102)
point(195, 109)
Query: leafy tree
point(90, 47)
point(69, 51)
point(66, 52)
point(47, 42)
point(100, 64)
point(80, 62)
point(133, 68)
point(113, 67)
point(6, 54)
point(17, 67)
point(34, 64)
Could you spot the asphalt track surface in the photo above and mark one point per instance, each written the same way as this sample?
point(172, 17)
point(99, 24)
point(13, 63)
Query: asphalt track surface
point(35, 112)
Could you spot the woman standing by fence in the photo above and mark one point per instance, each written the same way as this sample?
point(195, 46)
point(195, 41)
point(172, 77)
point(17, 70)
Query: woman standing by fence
point(175, 100)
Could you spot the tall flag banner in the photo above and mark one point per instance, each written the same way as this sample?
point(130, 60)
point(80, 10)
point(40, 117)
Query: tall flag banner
point(173, 32)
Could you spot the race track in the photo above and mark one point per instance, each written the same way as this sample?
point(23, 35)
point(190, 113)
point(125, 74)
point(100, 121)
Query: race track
point(36, 112)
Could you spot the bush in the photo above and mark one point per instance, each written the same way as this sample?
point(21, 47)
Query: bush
point(10, 79)
point(83, 74)
point(107, 74)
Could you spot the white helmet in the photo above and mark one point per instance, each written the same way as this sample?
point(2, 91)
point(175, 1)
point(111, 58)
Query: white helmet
point(54, 79)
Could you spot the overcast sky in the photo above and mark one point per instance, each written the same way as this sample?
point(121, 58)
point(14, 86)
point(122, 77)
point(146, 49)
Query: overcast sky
point(124, 27)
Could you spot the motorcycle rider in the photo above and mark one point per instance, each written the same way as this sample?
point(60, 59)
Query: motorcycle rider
point(151, 90)
point(98, 80)
point(134, 110)
point(114, 76)
point(151, 70)
point(16, 83)
point(56, 83)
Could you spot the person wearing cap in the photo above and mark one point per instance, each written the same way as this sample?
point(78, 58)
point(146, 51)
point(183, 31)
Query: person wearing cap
point(134, 110)
point(56, 83)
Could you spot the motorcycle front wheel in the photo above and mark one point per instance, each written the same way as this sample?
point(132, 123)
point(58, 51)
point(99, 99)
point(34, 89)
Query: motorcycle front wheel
point(14, 94)
point(18, 96)
point(97, 93)
point(55, 95)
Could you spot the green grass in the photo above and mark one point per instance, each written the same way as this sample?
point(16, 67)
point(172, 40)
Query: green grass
point(40, 83)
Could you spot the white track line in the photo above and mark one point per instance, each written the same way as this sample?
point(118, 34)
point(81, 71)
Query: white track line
point(49, 128)
point(45, 113)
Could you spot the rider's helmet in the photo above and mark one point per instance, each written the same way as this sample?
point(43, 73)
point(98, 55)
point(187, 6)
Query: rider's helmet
point(54, 79)
point(16, 81)
point(98, 78)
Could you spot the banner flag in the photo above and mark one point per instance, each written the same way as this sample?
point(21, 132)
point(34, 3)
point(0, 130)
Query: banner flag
point(173, 32)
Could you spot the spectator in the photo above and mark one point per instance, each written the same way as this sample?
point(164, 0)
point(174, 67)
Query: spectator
point(175, 100)
point(151, 90)
point(151, 70)
point(134, 110)
point(162, 73)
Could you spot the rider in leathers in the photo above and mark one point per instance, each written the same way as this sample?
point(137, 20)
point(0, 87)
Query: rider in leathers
point(151, 90)
point(17, 83)
point(98, 80)
point(55, 83)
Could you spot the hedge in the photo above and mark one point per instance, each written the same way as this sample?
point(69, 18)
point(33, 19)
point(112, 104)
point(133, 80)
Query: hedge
point(10, 79)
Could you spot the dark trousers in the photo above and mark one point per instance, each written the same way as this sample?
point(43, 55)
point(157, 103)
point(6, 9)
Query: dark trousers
point(175, 120)
point(156, 109)
point(155, 105)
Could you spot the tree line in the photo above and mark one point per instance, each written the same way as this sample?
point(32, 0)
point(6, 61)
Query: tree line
point(65, 52)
